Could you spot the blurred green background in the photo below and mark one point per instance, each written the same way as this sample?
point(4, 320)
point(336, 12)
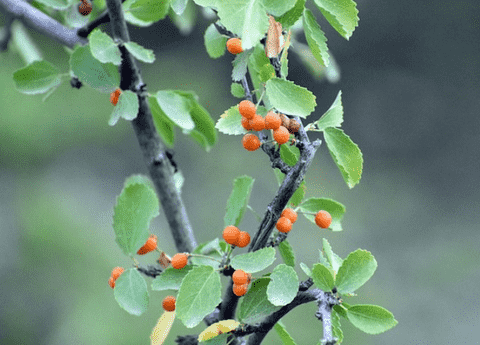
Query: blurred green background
point(410, 84)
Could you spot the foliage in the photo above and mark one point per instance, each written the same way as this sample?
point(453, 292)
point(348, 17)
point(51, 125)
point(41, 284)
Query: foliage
point(267, 31)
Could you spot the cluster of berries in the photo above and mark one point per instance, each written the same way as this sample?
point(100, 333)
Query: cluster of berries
point(284, 224)
point(281, 125)
point(85, 8)
point(114, 96)
point(232, 235)
point(116, 272)
point(241, 279)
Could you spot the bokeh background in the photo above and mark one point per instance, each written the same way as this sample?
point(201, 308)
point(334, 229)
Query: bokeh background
point(410, 85)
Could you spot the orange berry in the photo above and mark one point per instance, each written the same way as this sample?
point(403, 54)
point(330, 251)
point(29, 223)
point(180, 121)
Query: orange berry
point(247, 109)
point(246, 123)
point(150, 245)
point(290, 214)
point(179, 260)
point(272, 120)
point(234, 45)
point(323, 219)
point(114, 96)
point(231, 234)
point(85, 8)
point(257, 123)
point(116, 272)
point(281, 135)
point(239, 277)
point(240, 290)
point(251, 142)
point(294, 126)
point(111, 282)
point(168, 303)
point(243, 239)
point(284, 224)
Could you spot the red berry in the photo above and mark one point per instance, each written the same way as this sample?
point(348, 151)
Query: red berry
point(239, 277)
point(240, 290)
point(168, 303)
point(284, 224)
point(257, 123)
point(116, 272)
point(111, 282)
point(247, 109)
point(272, 120)
point(290, 214)
point(243, 239)
point(231, 234)
point(234, 45)
point(114, 96)
point(251, 142)
point(179, 261)
point(150, 245)
point(323, 219)
point(281, 135)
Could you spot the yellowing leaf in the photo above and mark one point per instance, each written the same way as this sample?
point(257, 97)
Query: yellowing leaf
point(218, 328)
point(162, 328)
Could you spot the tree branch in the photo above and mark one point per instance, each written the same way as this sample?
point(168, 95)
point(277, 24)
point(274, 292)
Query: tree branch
point(39, 21)
point(154, 151)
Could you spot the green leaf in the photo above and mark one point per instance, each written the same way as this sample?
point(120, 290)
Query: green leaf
point(289, 98)
point(56, 4)
point(204, 124)
point(185, 22)
point(239, 66)
point(238, 200)
point(130, 18)
point(254, 261)
point(147, 10)
point(305, 269)
point(134, 209)
point(101, 77)
point(315, 38)
point(371, 319)
point(131, 292)
point(230, 122)
point(103, 48)
point(140, 53)
point(37, 77)
point(283, 286)
point(289, 18)
point(283, 334)
point(176, 108)
point(315, 68)
point(323, 277)
point(287, 253)
point(178, 6)
point(346, 155)
point(127, 107)
point(254, 305)
point(341, 14)
point(355, 271)
point(336, 330)
point(198, 296)
point(237, 90)
point(171, 278)
point(297, 197)
point(215, 43)
point(334, 260)
point(247, 19)
point(333, 117)
point(313, 205)
point(267, 72)
point(277, 8)
point(165, 127)
point(289, 154)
